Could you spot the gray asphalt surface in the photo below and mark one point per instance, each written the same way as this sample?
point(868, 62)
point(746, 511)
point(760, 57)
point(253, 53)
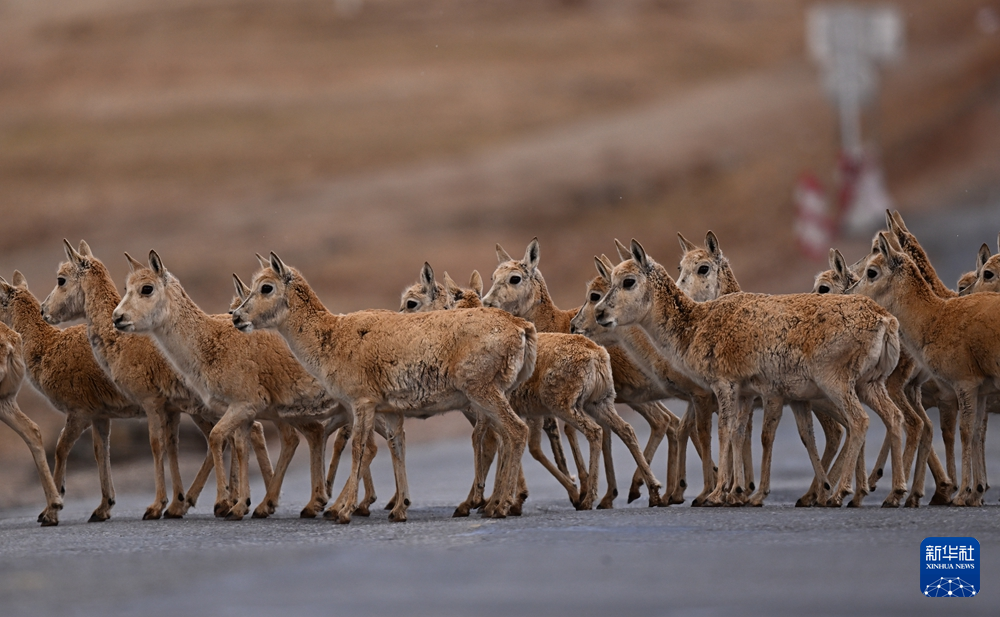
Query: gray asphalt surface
point(552, 560)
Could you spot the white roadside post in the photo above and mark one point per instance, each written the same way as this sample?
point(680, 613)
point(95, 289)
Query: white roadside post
point(850, 43)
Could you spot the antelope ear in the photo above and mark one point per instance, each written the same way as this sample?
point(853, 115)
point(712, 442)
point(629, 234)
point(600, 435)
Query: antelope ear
point(983, 257)
point(895, 243)
point(686, 245)
point(156, 264)
point(712, 244)
point(889, 252)
point(279, 267)
point(264, 263)
point(898, 219)
point(502, 255)
point(19, 281)
point(602, 269)
point(838, 264)
point(449, 283)
point(71, 255)
point(607, 262)
point(132, 263)
point(623, 253)
point(531, 256)
point(84, 249)
point(639, 255)
point(241, 288)
point(5, 287)
point(476, 282)
point(427, 280)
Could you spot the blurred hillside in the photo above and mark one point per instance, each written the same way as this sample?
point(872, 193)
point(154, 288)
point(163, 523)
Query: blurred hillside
point(359, 144)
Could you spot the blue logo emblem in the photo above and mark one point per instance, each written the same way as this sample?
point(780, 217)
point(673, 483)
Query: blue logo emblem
point(949, 567)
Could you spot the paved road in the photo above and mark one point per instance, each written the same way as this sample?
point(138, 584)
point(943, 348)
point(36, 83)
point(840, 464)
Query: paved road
point(552, 560)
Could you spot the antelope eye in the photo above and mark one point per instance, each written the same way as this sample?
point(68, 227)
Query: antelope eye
point(595, 297)
point(61, 281)
point(628, 283)
point(872, 273)
point(266, 288)
point(146, 290)
point(823, 289)
point(703, 270)
point(514, 280)
point(987, 275)
point(411, 304)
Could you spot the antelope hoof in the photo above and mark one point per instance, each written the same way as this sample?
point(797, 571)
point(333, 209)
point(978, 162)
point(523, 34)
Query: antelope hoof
point(391, 504)
point(176, 510)
point(260, 512)
point(515, 508)
point(461, 511)
point(221, 509)
point(362, 510)
point(98, 517)
point(152, 514)
point(654, 497)
point(397, 517)
point(493, 510)
point(913, 501)
point(634, 492)
point(673, 501)
point(942, 496)
point(237, 513)
point(309, 512)
point(49, 516)
point(607, 503)
point(341, 517)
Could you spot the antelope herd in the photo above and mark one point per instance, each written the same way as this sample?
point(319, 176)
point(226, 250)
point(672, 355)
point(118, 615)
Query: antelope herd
point(885, 332)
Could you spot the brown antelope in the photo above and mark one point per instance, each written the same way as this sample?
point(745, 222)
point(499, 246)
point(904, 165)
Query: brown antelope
point(571, 373)
point(706, 274)
point(797, 347)
point(519, 288)
point(11, 375)
point(253, 377)
point(986, 276)
point(84, 289)
point(429, 295)
point(642, 378)
point(904, 386)
point(955, 339)
point(62, 368)
point(412, 364)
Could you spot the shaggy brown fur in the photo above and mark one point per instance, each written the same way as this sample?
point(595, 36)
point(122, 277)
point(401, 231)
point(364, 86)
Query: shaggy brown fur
point(253, 377)
point(571, 372)
point(519, 288)
point(420, 365)
point(642, 378)
point(84, 289)
point(706, 274)
point(61, 366)
point(797, 347)
point(954, 339)
point(904, 388)
point(11, 375)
